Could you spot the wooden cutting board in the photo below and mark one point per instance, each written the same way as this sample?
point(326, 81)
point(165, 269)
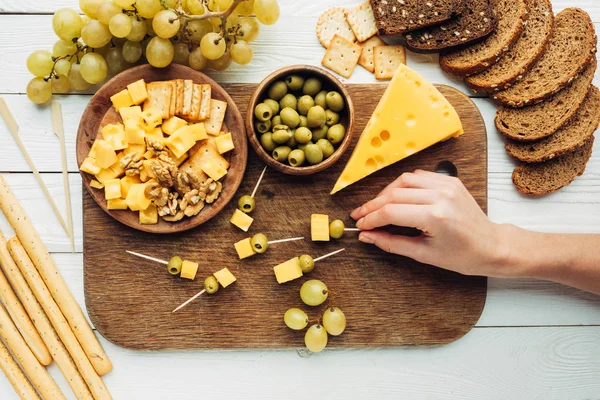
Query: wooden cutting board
point(388, 300)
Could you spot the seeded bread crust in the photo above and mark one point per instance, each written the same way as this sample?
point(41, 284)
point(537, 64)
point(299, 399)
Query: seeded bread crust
point(543, 178)
point(544, 119)
point(571, 47)
point(395, 17)
point(476, 23)
point(521, 56)
point(512, 16)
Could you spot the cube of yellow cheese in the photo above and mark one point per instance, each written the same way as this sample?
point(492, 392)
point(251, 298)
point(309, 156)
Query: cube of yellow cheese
point(215, 171)
point(149, 216)
point(134, 132)
point(241, 220)
point(288, 271)
point(171, 125)
point(105, 175)
point(126, 183)
point(156, 134)
point(121, 100)
point(149, 154)
point(180, 142)
point(136, 197)
point(198, 131)
point(244, 248)
point(146, 173)
point(114, 134)
point(89, 165)
point(224, 143)
point(112, 189)
point(105, 155)
point(177, 161)
point(225, 277)
point(319, 227)
point(134, 113)
point(96, 185)
point(151, 118)
point(116, 204)
point(92, 153)
point(135, 148)
point(137, 91)
point(116, 167)
point(189, 270)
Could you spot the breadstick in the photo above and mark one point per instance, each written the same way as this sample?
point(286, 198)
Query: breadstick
point(56, 285)
point(41, 322)
point(15, 376)
point(32, 368)
point(39, 289)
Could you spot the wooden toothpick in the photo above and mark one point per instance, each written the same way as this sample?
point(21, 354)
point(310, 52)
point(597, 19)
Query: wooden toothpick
point(259, 180)
point(351, 230)
point(158, 260)
point(190, 300)
point(285, 240)
point(329, 255)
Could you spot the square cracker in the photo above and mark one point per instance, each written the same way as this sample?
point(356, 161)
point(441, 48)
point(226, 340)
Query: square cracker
point(196, 100)
point(159, 97)
point(362, 21)
point(205, 104)
point(387, 59)
point(342, 56)
point(333, 22)
point(178, 96)
point(188, 89)
point(366, 57)
point(217, 115)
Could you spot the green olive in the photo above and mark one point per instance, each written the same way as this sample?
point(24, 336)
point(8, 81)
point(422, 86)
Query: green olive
point(304, 104)
point(311, 87)
point(296, 158)
point(276, 120)
point(336, 134)
point(273, 104)
point(314, 154)
point(332, 118)
point(289, 100)
point(280, 127)
point(263, 126)
point(303, 121)
point(246, 203)
point(335, 101)
point(290, 117)
point(303, 135)
point(320, 133)
point(294, 82)
point(211, 285)
point(260, 243)
point(281, 136)
point(263, 112)
point(336, 229)
point(301, 146)
point(292, 143)
point(326, 147)
point(281, 153)
point(266, 140)
point(174, 266)
point(278, 90)
point(307, 263)
point(321, 99)
point(316, 117)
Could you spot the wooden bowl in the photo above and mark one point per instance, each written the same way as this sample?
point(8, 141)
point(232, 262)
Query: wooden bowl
point(100, 112)
point(329, 82)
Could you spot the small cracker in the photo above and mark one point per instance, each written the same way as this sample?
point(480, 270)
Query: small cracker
point(217, 115)
point(178, 96)
point(173, 103)
point(366, 57)
point(387, 59)
point(333, 22)
point(196, 100)
point(159, 97)
point(342, 56)
point(205, 104)
point(188, 90)
point(362, 21)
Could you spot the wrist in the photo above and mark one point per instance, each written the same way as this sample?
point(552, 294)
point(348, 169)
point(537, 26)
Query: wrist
point(511, 258)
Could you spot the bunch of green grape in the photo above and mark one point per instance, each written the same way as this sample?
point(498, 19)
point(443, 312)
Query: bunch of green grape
point(114, 35)
point(333, 321)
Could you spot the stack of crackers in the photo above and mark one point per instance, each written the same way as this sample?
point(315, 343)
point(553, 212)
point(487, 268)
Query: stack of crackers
point(350, 37)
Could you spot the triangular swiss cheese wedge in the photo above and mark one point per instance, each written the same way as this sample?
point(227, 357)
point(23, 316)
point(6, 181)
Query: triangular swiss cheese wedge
point(411, 116)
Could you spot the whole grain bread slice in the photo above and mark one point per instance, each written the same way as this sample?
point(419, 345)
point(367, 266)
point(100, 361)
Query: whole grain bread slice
point(547, 177)
point(511, 16)
point(571, 47)
point(526, 51)
point(567, 139)
point(541, 120)
point(476, 22)
point(395, 17)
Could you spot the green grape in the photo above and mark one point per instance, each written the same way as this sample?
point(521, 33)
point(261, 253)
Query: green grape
point(245, 8)
point(295, 319)
point(159, 52)
point(63, 47)
point(39, 91)
point(267, 11)
point(106, 11)
point(181, 54)
point(40, 63)
point(67, 24)
point(114, 60)
point(138, 30)
point(222, 63)
point(166, 24)
point(334, 321)
point(248, 30)
point(120, 25)
point(148, 8)
point(125, 4)
point(313, 292)
point(75, 79)
point(170, 3)
point(197, 29)
point(132, 51)
point(195, 7)
point(62, 66)
point(223, 4)
point(197, 60)
point(241, 52)
point(149, 29)
point(315, 338)
point(60, 84)
point(95, 34)
point(213, 46)
point(93, 68)
point(90, 7)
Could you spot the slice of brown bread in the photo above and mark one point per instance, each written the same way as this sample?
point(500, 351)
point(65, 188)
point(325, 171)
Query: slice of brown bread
point(527, 50)
point(566, 139)
point(541, 120)
point(395, 17)
point(511, 16)
point(475, 23)
point(547, 177)
point(571, 47)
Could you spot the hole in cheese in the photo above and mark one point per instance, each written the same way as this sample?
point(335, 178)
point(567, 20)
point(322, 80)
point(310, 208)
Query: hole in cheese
point(385, 135)
point(411, 120)
point(380, 161)
point(376, 142)
point(411, 148)
point(371, 164)
point(447, 115)
point(417, 83)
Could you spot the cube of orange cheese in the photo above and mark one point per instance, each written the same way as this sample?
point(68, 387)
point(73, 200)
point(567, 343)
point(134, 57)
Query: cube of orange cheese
point(89, 165)
point(137, 91)
point(198, 131)
point(96, 185)
point(112, 189)
point(149, 216)
point(105, 175)
point(225, 277)
point(136, 197)
point(126, 183)
point(319, 227)
point(134, 112)
point(105, 155)
point(171, 125)
point(180, 142)
point(224, 143)
point(121, 99)
point(189, 270)
point(116, 204)
point(244, 248)
point(241, 220)
point(288, 271)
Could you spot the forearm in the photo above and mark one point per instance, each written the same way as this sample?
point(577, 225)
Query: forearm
point(570, 259)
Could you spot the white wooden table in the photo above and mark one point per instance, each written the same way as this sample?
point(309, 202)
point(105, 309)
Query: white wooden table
point(535, 340)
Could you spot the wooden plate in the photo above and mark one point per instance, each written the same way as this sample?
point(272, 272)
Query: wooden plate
point(100, 112)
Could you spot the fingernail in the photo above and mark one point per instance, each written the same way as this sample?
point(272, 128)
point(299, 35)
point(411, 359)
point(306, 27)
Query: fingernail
point(359, 223)
point(353, 212)
point(363, 237)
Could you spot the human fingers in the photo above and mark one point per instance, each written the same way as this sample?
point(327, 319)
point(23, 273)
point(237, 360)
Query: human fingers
point(410, 180)
point(395, 196)
point(411, 247)
point(408, 215)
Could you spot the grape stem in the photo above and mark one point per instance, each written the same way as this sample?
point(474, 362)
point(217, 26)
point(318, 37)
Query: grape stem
point(222, 15)
point(69, 57)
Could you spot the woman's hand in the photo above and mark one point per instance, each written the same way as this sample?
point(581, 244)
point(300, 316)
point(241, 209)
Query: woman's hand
point(457, 235)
